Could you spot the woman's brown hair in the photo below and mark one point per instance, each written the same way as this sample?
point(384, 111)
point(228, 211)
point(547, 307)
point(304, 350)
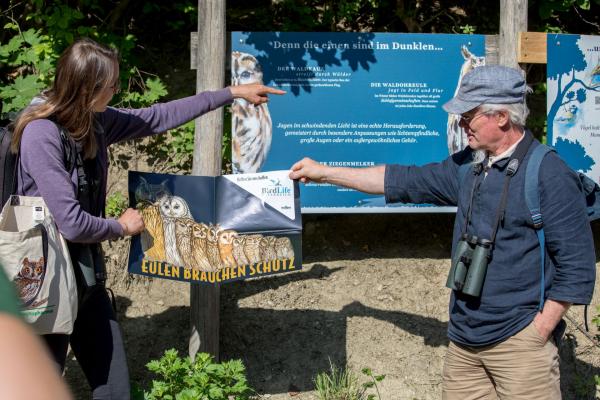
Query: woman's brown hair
point(83, 70)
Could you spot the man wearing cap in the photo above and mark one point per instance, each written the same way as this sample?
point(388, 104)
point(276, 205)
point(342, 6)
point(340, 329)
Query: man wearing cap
point(503, 343)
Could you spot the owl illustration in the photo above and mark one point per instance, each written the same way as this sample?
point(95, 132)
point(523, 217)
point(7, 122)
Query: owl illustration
point(149, 192)
point(183, 238)
point(29, 281)
point(171, 208)
point(212, 247)
point(225, 242)
point(252, 248)
point(198, 247)
point(284, 248)
point(267, 248)
point(251, 125)
point(456, 136)
point(152, 238)
point(238, 250)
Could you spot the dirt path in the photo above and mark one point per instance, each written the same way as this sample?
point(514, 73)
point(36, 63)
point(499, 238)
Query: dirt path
point(371, 294)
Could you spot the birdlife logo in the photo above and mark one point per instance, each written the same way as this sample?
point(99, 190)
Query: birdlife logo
point(274, 188)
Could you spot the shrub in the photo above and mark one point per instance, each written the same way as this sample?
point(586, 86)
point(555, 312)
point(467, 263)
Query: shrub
point(184, 379)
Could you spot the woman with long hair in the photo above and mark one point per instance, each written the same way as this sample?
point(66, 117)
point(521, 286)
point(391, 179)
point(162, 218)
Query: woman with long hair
point(87, 77)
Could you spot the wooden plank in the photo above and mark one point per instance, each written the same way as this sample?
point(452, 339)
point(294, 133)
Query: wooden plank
point(532, 48)
point(491, 49)
point(513, 19)
point(210, 75)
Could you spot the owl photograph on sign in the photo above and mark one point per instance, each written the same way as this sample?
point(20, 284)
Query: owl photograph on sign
point(251, 126)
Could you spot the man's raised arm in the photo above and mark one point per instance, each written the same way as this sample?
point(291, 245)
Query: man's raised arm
point(368, 180)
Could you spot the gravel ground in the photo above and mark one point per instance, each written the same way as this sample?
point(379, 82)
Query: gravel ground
point(371, 294)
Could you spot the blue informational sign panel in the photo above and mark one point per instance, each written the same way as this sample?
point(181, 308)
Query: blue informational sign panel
point(574, 100)
point(354, 99)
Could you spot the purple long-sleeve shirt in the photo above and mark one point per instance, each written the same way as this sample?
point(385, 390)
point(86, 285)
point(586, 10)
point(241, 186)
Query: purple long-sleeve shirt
point(42, 169)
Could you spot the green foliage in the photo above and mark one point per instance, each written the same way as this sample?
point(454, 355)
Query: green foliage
point(152, 89)
point(568, 16)
point(584, 386)
point(116, 204)
point(468, 29)
point(183, 379)
point(360, 16)
point(29, 50)
point(29, 58)
point(343, 384)
point(182, 145)
point(550, 8)
point(175, 148)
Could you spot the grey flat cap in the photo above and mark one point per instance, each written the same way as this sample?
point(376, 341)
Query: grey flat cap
point(491, 84)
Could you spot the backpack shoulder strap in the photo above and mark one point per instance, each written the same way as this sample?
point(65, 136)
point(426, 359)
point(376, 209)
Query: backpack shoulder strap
point(532, 174)
point(8, 165)
point(67, 147)
point(532, 198)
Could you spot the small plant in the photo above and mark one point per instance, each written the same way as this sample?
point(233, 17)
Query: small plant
point(116, 204)
point(372, 382)
point(184, 379)
point(343, 384)
point(467, 29)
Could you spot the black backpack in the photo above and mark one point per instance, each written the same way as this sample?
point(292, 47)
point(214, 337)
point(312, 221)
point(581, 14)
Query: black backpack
point(9, 161)
point(8, 164)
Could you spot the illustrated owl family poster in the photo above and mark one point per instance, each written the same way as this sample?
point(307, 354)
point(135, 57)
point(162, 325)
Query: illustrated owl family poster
point(211, 230)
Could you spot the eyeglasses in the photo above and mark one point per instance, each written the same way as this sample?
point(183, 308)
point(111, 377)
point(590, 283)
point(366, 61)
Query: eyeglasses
point(469, 119)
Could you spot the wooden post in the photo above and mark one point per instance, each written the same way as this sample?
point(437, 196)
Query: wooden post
point(513, 19)
point(210, 75)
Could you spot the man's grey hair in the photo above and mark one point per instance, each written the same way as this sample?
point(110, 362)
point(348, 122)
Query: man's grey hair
point(517, 112)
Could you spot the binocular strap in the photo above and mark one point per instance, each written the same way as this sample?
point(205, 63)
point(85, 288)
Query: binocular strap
point(513, 165)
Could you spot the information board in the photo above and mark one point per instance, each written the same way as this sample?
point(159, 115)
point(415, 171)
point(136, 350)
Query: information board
point(574, 100)
point(354, 99)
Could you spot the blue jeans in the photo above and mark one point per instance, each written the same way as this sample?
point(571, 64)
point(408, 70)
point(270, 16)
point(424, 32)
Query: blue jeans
point(97, 344)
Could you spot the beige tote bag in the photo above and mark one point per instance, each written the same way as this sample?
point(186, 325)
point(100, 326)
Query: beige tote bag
point(35, 257)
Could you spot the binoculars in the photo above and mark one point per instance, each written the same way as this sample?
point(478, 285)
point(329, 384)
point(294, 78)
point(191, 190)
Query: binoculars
point(469, 265)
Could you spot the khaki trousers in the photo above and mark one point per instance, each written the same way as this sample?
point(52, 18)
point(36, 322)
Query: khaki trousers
point(524, 366)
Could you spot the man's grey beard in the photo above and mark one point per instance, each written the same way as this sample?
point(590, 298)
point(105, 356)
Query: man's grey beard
point(479, 156)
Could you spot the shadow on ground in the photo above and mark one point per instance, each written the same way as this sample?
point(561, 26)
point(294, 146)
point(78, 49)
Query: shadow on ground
point(283, 349)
